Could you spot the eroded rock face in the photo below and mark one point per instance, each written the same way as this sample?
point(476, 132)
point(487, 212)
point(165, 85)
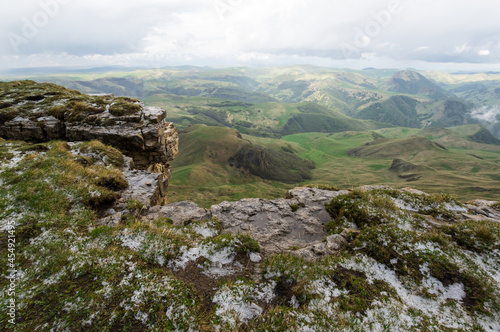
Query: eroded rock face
point(145, 137)
point(479, 209)
point(39, 112)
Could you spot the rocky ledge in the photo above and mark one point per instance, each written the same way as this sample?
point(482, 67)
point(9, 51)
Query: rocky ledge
point(308, 223)
point(40, 112)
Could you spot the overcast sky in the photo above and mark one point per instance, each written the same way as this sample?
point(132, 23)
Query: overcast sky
point(424, 34)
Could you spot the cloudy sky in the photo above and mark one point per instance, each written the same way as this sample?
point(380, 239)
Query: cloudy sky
point(424, 34)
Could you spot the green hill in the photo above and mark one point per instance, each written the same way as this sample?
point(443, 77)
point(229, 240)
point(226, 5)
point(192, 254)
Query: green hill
point(411, 82)
point(465, 168)
point(396, 110)
point(303, 123)
point(371, 94)
point(216, 163)
point(259, 119)
point(391, 148)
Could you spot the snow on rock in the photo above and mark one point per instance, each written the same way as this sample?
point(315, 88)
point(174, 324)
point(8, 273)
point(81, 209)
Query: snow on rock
point(238, 304)
point(219, 261)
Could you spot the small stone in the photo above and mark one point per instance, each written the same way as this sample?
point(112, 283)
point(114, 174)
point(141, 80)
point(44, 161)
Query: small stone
point(335, 242)
point(112, 220)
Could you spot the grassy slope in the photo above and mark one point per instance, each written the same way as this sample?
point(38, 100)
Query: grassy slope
point(201, 172)
point(262, 119)
point(466, 169)
point(458, 170)
point(397, 271)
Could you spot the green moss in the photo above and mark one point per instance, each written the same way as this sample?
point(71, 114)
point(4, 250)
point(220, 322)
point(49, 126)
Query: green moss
point(295, 207)
point(477, 236)
point(360, 293)
point(360, 207)
point(30, 228)
point(124, 106)
point(99, 197)
point(162, 221)
point(478, 291)
point(394, 248)
point(247, 244)
point(390, 246)
point(111, 179)
point(133, 205)
point(35, 147)
point(105, 153)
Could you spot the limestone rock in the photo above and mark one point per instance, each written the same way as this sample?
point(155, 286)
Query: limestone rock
point(481, 210)
point(313, 195)
point(111, 220)
point(275, 224)
point(335, 242)
point(146, 187)
point(179, 212)
point(40, 112)
point(145, 137)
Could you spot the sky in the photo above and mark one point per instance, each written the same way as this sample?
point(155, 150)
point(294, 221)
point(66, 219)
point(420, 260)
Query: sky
point(452, 35)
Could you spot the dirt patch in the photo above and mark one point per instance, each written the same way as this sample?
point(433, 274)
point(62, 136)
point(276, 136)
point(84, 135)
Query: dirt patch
point(284, 292)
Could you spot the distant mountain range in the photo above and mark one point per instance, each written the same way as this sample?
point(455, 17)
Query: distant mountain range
point(383, 97)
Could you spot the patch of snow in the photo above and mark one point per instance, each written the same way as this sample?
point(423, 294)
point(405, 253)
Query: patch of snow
point(454, 207)
point(131, 239)
point(487, 262)
point(13, 162)
point(450, 316)
point(326, 289)
point(54, 278)
point(233, 305)
point(9, 221)
point(436, 287)
point(219, 262)
point(188, 255)
point(142, 316)
point(255, 257)
point(401, 204)
point(205, 231)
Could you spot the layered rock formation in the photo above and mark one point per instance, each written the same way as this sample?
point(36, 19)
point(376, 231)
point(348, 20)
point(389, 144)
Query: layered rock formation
point(39, 112)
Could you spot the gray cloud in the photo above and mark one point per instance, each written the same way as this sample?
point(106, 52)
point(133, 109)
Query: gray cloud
point(176, 31)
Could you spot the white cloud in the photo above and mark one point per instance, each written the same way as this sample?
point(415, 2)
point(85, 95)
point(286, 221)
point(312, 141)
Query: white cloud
point(438, 31)
point(486, 113)
point(461, 49)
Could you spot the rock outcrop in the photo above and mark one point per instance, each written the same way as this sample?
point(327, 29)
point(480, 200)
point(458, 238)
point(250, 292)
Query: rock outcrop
point(144, 136)
point(39, 112)
point(297, 224)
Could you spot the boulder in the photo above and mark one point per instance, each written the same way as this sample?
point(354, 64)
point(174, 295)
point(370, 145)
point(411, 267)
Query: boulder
point(180, 212)
point(278, 225)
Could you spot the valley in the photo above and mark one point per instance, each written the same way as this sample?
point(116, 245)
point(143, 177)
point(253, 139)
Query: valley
point(258, 132)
